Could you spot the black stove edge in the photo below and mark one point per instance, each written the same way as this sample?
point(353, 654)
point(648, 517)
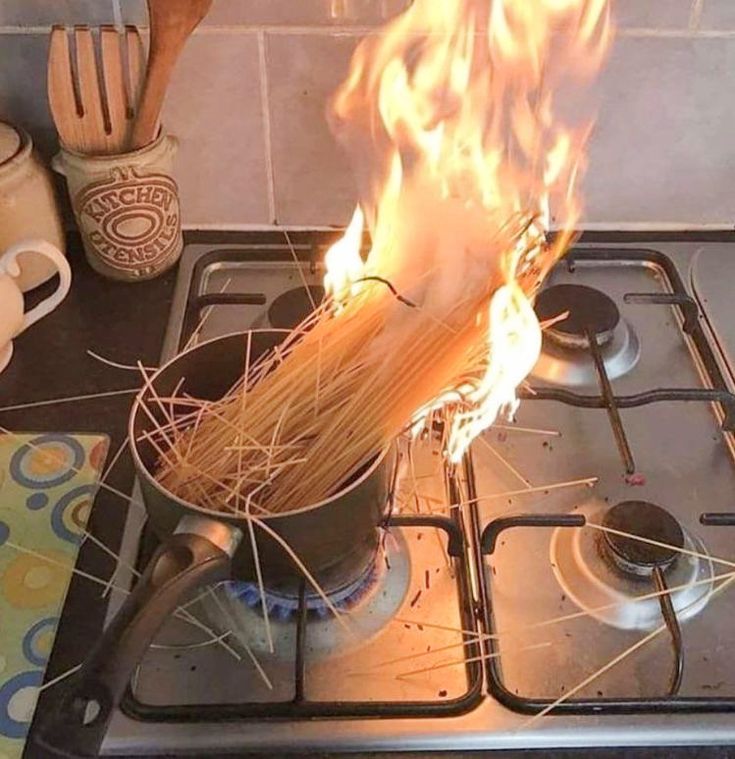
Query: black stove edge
point(214, 237)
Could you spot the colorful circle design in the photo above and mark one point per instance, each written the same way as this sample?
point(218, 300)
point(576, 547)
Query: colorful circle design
point(47, 461)
point(38, 641)
point(98, 454)
point(37, 501)
point(30, 582)
point(17, 702)
point(69, 517)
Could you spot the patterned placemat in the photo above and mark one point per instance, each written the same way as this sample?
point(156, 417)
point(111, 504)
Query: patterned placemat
point(47, 486)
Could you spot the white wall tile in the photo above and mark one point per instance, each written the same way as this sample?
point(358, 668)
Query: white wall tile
point(664, 150)
point(23, 98)
point(313, 184)
point(45, 12)
point(287, 12)
point(214, 108)
point(718, 15)
point(304, 12)
point(652, 14)
point(134, 12)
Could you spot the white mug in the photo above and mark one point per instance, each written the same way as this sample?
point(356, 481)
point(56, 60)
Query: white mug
point(12, 319)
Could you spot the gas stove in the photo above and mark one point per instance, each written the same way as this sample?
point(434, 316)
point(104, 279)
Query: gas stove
point(510, 603)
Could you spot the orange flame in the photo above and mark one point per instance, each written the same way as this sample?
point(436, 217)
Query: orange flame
point(450, 116)
point(343, 263)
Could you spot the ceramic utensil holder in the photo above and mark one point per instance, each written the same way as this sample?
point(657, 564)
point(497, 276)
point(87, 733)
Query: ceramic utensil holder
point(28, 208)
point(127, 209)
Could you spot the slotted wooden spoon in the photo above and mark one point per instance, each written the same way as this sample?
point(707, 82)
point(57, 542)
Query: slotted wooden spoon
point(94, 110)
point(172, 23)
point(123, 68)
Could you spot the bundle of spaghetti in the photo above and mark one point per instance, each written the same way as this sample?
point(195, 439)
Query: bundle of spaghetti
point(309, 414)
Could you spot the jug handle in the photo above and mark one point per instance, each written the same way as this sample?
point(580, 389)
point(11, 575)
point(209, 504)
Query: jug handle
point(9, 264)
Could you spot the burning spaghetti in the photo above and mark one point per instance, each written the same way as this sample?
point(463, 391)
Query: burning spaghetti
point(450, 117)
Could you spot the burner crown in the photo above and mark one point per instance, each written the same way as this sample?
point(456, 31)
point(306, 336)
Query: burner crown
point(590, 311)
point(649, 521)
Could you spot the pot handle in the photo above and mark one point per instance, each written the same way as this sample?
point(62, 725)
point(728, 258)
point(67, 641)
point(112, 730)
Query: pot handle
point(198, 553)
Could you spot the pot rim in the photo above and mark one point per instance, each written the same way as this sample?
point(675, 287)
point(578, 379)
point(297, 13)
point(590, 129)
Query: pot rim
point(143, 470)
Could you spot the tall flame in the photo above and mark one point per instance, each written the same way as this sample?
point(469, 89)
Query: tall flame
point(450, 117)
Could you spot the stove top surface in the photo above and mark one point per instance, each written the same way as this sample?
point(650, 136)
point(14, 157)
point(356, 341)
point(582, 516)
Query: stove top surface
point(628, 404)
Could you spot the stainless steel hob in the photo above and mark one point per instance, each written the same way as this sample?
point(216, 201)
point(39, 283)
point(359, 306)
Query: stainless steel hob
point(629, 405)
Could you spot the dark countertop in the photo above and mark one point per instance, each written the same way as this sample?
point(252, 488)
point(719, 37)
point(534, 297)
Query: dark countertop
point(119, 321)
point(126, 323)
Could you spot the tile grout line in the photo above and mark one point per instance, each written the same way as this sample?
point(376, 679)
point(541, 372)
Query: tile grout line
point(592, 226)
point(686, 34)
point(695, 16)
point(266, 116)
point(691, 32)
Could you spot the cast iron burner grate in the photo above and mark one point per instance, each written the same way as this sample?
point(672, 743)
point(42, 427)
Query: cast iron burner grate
point(285, 607)
point(663, 527)
point(597, 317)
point(301, 707)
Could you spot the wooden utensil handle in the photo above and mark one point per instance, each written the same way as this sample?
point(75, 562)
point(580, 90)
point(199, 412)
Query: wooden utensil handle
point(157, 80)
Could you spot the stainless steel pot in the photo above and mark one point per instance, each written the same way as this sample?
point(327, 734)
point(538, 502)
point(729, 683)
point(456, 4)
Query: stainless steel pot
point(335, 539)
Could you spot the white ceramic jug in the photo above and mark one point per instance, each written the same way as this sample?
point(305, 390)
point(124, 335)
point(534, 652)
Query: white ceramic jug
point(12, 319)
point(27, 203)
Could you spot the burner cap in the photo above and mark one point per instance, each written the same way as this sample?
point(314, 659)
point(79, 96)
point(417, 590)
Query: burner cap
point(589, 310)
point(608, 587)
point(289, 309)
point(648, 521)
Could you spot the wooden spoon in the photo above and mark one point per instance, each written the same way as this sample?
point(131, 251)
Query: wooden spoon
point(94, 110)
point(76, 107)
point(171, 22)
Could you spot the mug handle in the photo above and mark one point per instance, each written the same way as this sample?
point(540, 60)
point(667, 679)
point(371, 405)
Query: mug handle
point(9, 263)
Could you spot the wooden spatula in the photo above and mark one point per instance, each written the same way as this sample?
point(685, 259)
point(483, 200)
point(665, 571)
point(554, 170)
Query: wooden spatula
point(65, 104)
point(93, 127)
point(171, 22)
point(94, 114)
point(122, 73)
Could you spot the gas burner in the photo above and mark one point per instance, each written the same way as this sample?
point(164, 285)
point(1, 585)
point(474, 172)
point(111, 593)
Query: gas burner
point(565, 358)
point(649, 521)
point(371, 601)
point(591, 312)
point(602, 572)
point(289, 309)
point(285, 606)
